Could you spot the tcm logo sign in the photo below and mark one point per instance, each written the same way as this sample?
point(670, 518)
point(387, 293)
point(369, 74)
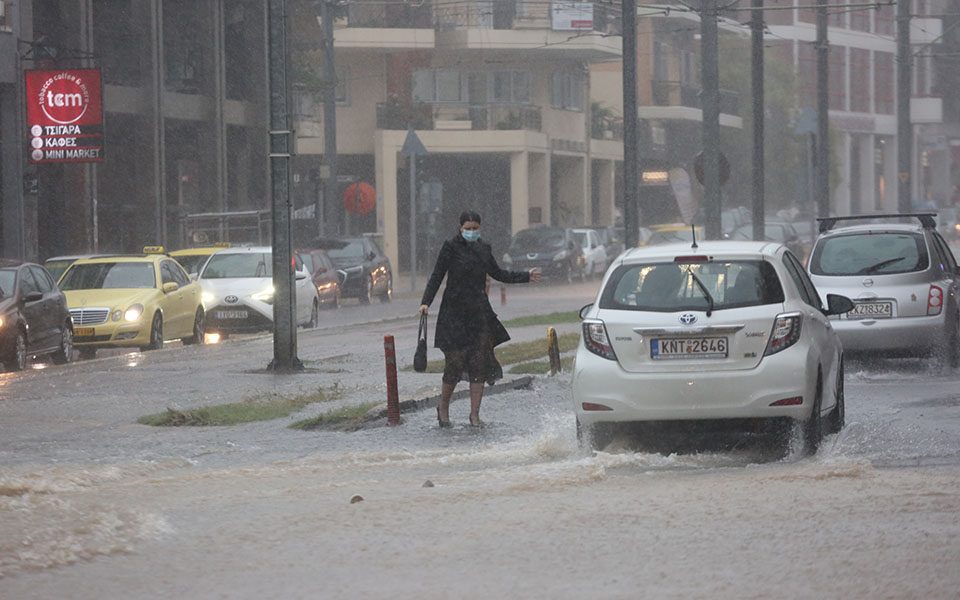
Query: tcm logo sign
point(64, 115)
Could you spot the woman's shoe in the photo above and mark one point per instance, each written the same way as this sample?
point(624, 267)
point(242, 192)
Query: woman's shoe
point(440, 421)
point(475, 421)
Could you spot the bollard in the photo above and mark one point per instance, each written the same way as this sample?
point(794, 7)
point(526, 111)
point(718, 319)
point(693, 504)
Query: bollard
point(553, 351)
point(393, 398)
point(503, 295)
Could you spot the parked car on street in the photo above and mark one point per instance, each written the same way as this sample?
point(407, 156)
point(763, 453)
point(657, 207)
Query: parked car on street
point(367, 270)
point(138, 301)
point(34, 320)
point(672, 233)
point(238, 291)
point(56, 265)
point(553, 250)
point(903, 280)
point(611, 239)
point(594, 253)
point(326, 278)
point(729, 334)
point(774, 231)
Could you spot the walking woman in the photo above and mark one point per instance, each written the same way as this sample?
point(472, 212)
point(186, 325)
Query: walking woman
point(467, 328)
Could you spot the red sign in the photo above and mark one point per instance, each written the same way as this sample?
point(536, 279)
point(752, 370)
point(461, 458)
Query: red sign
point(64, 116)
point(359, 198)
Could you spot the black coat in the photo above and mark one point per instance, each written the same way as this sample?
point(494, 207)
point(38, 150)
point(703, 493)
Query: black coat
point(465, 310)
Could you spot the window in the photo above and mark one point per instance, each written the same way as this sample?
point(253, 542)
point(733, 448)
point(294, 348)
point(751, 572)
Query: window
point(883, 82)
point(509, 87)
point(870, 254)
point(949, 264)
point(440, 85)
point(27, 283)
point(43, 280)
point(806, 286)
point(342, 91)
point(838, 78)
point(568, 90)
point(859, 80)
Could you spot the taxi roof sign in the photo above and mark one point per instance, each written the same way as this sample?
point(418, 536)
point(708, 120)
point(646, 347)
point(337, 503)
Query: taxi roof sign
point(154, 250)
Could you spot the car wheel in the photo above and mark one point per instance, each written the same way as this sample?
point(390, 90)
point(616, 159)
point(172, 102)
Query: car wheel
point(64, 354)
point(812, 430)
point(838, 415)
point(366, 294)
point(198, 329)
point(88, 353)
point(18, 359)
point(596, 437)
point(387, 295)
point(156, 334)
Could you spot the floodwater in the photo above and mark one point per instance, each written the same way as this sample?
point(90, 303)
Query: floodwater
point(515, 509)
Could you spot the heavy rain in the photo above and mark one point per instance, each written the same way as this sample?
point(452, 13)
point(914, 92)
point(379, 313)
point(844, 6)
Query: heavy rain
point(687, 273)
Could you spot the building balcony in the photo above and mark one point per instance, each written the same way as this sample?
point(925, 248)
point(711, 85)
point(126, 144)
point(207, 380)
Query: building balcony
point(677, 100)
point(459, 117)
point(386, 26)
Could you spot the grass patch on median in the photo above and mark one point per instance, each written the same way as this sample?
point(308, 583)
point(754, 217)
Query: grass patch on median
point(264, 407)
point(344, 418)
point(540, 367)
point(551, 319)
point(518, 352)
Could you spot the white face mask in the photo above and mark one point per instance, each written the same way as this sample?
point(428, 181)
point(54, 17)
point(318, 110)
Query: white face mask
point(471, 235)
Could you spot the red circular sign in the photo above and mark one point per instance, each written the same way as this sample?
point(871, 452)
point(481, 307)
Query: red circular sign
point(359, 198)
point(64, 98)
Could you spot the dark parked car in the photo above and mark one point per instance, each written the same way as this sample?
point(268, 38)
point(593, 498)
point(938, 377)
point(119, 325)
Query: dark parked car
point(34, 319)
point(327, 278)
point(553, 250)
point(366, 269)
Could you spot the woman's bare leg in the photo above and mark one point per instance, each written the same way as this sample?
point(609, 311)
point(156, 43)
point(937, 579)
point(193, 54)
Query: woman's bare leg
point(476, 396)
point(446, 392)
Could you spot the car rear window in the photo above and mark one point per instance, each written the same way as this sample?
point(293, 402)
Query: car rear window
point(881, 253)
point(671, 287)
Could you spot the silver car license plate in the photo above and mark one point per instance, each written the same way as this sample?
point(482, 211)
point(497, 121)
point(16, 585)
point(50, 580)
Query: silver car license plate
point(231, 314)
point(871, 310)
point(686, 348)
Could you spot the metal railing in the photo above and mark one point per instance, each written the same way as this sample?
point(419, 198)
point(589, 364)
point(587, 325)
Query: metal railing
point(677, 93)
point(471, 117)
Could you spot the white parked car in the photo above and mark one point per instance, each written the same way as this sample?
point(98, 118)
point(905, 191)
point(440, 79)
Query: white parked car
point(727, 332)
point(594, 253)
point(237, 285)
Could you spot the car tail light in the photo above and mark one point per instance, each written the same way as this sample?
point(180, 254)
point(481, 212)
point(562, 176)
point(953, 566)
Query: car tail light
point(795, 401)
point(593, 406)
point(934, 300)
point(786, 332)
point(596, 340)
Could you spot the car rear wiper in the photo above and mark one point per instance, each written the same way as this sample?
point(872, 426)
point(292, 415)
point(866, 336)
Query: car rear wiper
point(879, 265)
point(703, 289)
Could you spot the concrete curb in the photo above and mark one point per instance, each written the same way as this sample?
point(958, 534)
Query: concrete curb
point(431, 401)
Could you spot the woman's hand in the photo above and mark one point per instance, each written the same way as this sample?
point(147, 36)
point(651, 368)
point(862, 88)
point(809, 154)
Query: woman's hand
point(535, 274)
point(423, 309)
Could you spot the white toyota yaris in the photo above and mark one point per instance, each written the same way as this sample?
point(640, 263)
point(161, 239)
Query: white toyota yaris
point(730, 332)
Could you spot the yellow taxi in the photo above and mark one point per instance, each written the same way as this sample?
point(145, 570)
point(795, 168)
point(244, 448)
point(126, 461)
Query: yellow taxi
point(670, 233)
point(138, 301)
point(192, 259)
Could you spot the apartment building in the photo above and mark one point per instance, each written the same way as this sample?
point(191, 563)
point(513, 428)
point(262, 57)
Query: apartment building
point(497, 91)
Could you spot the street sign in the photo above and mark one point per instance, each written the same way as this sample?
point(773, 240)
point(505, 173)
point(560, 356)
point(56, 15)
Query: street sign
point(412, 146)
point(904, 177)
point(64, 115)
point(724, 168)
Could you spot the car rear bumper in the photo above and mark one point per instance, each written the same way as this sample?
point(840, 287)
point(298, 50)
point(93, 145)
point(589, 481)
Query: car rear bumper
point(899, 334)
point(742, 394)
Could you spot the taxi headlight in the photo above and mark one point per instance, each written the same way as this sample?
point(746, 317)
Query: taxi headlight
point(206, 297)
point(133, 313)
point(266, 296)
point(1, 321)
point(117, 315)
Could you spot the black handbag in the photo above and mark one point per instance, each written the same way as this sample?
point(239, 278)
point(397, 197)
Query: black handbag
point(420, 357)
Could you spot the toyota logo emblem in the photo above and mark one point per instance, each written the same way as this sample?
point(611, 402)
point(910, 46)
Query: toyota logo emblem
point(688, 318)
point(231, 299)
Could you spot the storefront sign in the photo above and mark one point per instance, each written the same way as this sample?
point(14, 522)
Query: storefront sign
point(64, 116)
point(571, 16)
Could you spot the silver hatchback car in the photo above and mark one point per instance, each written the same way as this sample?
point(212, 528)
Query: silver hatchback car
point(903, 280)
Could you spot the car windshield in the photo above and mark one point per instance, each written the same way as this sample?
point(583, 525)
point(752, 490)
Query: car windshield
point(109, 275)
point(881, 253)
point(670, 287)
point(8, 279)
point(191, 263)
point(539, 238)
point(353, 249)
point(57, 267)
point(247, 264)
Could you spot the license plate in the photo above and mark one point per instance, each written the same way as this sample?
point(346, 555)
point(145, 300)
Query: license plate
point(681, 348)
point(84, 331)
point(230, 314)
point(875, 310)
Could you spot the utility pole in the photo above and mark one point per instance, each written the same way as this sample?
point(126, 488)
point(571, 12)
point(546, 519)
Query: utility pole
point(756, 83)
point(710, 101)
point(904, 89)
point(823, 112)
point(284, 309)
point(329, 117)
point(631, 158)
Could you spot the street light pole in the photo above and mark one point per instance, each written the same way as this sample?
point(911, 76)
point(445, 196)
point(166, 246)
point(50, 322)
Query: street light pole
point(329, 118)
point(823, 112)
point(904, 128)
point(631, 220)
point(284, 310)
point(710, 101)
point(756, 83)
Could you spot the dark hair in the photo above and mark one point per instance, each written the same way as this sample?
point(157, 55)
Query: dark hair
point(469, 215)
